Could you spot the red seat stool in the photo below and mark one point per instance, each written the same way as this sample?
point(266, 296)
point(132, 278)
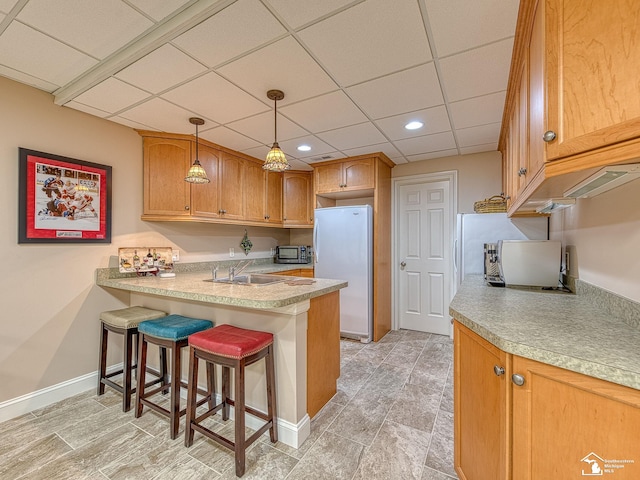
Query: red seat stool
point(170, 332)
point(125, 322)
point(237, 348)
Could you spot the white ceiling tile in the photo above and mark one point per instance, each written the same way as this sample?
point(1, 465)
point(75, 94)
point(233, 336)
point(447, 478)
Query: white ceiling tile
point(482, 22)
point(318, 147)
point(477, 72)
point(260, 127)
point(400, 92)
point(435, 120)
point(263, 70)
point(387, 148)
point(131, 123)
point(330, 111)
point(158, 9)
point(26, 78)
point(353, 136)
point(259, 152)
point(161, 69)
point(228, 138)
point(299, 12)
point(432, 155)
point(217, 39)
point(426, 143)
point(7, 5)
point(162, 115)
point(112, 95)
point(398, 160)
point(2, 16)
point(488, 147)
point(96, 27)
point(47, 58)
point(482, 134)
point(478, 110)
point(299, 165)
point(86, 109)
point(215, 98)
point(371, 39)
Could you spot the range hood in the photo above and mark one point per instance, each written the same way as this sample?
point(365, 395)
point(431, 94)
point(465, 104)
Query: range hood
point(604, 179)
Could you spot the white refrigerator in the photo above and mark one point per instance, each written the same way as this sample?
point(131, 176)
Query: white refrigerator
point(476, 229)
point(342, 245)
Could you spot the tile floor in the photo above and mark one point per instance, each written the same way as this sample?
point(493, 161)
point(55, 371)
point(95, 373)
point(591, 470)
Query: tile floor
point(392, 418)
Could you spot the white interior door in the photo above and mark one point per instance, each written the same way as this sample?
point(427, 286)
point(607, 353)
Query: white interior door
point(424, 256)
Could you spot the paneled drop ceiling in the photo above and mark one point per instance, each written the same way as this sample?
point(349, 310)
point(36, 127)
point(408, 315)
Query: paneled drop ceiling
point(353, 72)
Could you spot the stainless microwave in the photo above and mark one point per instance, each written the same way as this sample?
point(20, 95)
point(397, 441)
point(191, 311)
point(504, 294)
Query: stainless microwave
point(294, 254)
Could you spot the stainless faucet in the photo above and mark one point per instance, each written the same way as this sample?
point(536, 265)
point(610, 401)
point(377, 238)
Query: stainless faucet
point(238, 268)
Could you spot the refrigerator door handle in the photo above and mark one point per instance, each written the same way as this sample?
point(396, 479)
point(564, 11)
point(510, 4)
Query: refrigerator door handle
point(316, 247)
point(455, 255)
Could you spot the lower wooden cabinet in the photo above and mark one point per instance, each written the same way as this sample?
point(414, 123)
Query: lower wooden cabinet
point(297, 272)
point(533, 421)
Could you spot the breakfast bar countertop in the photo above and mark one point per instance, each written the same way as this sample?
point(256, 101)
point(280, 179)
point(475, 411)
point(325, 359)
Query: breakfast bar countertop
point(562, 329)
point(192, 285)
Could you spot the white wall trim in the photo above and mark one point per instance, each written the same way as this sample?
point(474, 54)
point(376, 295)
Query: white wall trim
point(450, 176)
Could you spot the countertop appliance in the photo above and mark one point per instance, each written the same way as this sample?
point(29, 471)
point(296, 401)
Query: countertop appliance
point(533, 263)
point(476, 229)
point(342, 242)
point(294, 254)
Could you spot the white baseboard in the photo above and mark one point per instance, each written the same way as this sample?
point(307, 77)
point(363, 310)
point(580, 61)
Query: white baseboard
point(290, 434)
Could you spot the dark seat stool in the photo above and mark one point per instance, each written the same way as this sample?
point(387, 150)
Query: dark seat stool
point(171, 332)
point(124, 322)
point(231, 347)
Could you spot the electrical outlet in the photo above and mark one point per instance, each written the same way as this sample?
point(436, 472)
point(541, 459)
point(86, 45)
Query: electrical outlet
point(175, 255)
point(232, 252)
point(273, 252)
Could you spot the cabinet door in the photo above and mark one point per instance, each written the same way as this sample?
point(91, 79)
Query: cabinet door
point(593, 58)
point(329, 178)
point(568, 425)
point(480, 408)
point(166, 162)
point(205, 196)
point(230, 183)
point(359, 174)
point(536, 145)
point(298, 199)
point(273, 197)
point(254, 192)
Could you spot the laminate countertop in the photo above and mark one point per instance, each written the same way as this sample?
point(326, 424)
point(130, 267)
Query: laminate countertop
point(575, 332)
point(192, 286)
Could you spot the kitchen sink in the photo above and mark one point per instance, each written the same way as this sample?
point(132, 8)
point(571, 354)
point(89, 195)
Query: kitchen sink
point(251, 279)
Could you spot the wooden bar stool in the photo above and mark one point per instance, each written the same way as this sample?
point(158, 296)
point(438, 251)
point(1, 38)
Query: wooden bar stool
point(231, 347)
point(124, 322)
point(171, 332)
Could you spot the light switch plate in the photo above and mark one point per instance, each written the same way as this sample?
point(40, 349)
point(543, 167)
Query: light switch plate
point(232, 252)
point(176, 255)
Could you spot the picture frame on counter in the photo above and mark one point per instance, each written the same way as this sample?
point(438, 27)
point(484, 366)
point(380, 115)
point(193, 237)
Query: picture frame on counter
point(62, 199)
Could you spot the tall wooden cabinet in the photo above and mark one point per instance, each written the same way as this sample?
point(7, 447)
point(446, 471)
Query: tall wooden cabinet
point(572, 71)
point(365, 176)
point(298, 199)
point(520, 419)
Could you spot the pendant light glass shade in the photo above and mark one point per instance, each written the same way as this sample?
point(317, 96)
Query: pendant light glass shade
point(276, 160)
point(196, 173)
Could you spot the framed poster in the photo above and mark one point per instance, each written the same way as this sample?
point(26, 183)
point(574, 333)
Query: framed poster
point(63, 200)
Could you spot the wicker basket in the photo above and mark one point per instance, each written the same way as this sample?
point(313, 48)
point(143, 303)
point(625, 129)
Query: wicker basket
point(495, 204)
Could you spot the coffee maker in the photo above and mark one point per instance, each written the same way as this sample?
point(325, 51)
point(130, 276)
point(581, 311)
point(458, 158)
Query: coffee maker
point(492, 265)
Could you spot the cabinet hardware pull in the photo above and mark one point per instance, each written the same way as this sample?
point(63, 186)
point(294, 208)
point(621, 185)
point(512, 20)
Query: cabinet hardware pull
point(549, 136)
point(498, 370)
point(186, 207)
point(522, 171)
point(517, 379)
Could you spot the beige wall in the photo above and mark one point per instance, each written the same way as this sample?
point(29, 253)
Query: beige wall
point(50, 304)
point(479, 175)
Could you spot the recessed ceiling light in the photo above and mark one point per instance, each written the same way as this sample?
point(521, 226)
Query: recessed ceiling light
point(414, 125)
point(304, 148)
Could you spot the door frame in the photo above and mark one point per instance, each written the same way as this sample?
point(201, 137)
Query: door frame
point(450, 176)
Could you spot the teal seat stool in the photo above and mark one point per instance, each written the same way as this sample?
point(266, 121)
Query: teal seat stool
point(171, 332)
point(237, 348)
point(124, 322)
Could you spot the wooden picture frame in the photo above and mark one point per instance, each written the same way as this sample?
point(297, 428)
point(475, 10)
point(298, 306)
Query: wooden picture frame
point(63, 200)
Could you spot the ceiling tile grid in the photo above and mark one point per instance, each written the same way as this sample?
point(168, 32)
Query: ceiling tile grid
point(354, 72)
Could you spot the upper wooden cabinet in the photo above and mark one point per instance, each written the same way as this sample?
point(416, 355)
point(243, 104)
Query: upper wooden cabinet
point(345, 176)
point(298, 199)
point(263, 194)
point(573, 67)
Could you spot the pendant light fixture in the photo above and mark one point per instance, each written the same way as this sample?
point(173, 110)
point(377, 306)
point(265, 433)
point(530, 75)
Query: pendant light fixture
point(275, 161)
point(196, 173)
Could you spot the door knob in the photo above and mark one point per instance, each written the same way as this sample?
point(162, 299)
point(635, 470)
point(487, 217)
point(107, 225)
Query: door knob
point(402, 265)
point(517, 379)
point(498, 370)
point(549, 136)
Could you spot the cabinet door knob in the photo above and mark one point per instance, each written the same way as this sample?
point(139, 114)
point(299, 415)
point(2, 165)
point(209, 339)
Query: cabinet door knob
point(549, 136)
point(522, 171)
point(498, 370)
point(517, 379)
point(186, 207)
